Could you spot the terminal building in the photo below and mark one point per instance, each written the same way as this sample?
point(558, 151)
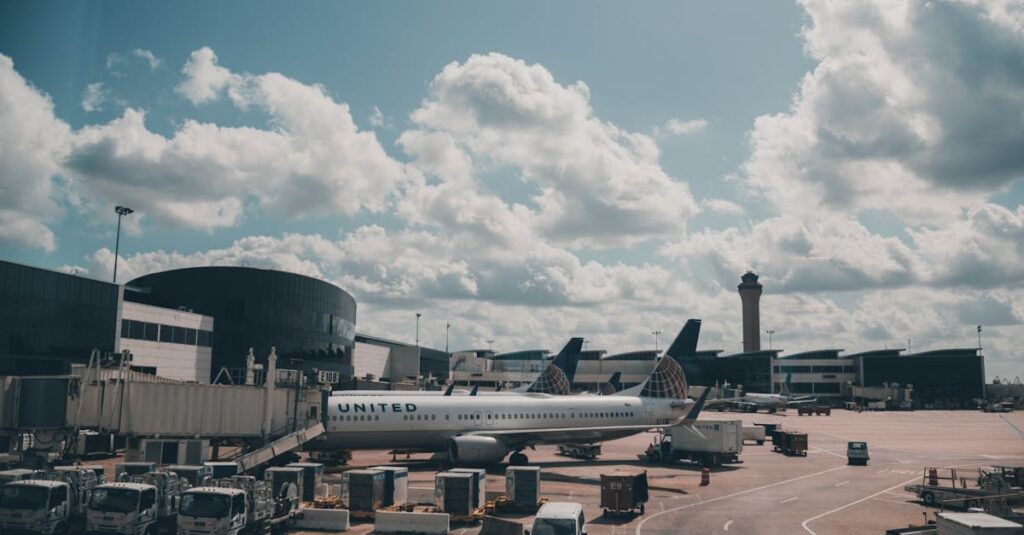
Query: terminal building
point(192, 324)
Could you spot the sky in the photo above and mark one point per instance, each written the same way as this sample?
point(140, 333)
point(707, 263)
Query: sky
point(531, 171)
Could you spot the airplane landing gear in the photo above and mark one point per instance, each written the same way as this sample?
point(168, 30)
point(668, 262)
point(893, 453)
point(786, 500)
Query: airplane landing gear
point(518, 459)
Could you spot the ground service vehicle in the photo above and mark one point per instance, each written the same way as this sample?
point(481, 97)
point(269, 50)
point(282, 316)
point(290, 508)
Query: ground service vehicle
point(946, 487)
point(135, 505)
point(857, 453)
point(559, 518)
point(35, 506)
point(580, 451)
point(128, 508)
point(15, 474)
point(709, 443)
point(230, 506)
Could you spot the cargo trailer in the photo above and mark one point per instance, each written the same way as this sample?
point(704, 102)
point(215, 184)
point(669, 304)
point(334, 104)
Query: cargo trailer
point(624, 491)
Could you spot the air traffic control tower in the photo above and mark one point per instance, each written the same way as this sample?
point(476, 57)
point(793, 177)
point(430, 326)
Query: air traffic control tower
point(750, 294)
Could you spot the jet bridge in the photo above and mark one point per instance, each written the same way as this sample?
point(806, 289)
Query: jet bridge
point(53, 409)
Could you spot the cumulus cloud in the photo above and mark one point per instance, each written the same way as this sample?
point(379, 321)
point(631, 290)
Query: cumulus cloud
point(313, 161)
point(906, 110)
point(148, 57)
point(678, 127)
point(92, 99)
point(596, 184)
point(722, 206)
point(32, 142)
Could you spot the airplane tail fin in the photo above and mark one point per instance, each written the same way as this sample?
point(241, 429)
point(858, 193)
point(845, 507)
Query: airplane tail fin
point(450, 389)
point(666, 381)
point(685, 344)
point(473, 392)
point(557, 378)
point(613, 385)
point(785, 386)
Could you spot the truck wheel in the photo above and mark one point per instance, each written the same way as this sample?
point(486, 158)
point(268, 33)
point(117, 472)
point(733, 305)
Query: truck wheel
point(928, 498)
point(760, 442)
point(642, 508)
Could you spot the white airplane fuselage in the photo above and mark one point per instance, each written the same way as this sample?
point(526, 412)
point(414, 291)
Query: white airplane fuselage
point(428, 423)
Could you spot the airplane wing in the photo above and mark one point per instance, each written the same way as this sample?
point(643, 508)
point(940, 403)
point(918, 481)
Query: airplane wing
point(794, 402)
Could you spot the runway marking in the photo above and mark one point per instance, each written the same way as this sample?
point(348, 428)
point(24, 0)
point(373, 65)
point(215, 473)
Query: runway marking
point(790, 499)
point(640, 526)
point(837, 509)
point(823, 450)
point(1011, 424)
point(883, 470)
point(842, 483)
point(866, 498)
point(726, 526)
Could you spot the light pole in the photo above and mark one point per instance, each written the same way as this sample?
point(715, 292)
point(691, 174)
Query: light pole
point(656, 335)
point(490, 345)
point(979, 336)
point(418, 336)
point(447, 327)
point(770, 333)
point(121, 212)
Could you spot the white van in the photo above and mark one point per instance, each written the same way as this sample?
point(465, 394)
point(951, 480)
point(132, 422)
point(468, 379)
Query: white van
point(559, 518)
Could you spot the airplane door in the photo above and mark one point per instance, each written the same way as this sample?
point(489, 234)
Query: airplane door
point(489, 419)
point(650, 413)
point(478, 419)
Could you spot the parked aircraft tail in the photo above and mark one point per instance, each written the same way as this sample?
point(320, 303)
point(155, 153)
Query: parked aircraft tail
point(666, 381)
point(785, 386)
point(557, 378)
point(613, 385)
point(685, 344)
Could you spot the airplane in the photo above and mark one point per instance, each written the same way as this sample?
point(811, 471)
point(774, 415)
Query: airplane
point(754, 402)
point(556, 379)
point(484, 430)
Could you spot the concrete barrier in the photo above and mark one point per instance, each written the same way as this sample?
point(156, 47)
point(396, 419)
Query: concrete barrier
point(420, 523)
point(322, 519)
point(421, 495)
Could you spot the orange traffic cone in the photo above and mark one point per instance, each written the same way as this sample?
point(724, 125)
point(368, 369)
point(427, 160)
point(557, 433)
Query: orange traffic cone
point(933, 476)
point(705, 477)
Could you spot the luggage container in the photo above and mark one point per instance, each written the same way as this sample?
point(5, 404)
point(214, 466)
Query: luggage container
point(396, 484)
point(453, 492)
point(755, 433)
point(857, 453)
point(479, 484)
point(770, 429)
point(624, 491)
point(790, 443)
point(522, 486)
point(709, 443)
point(223, 468)
point(195, 474)
point(312, 479)
point(134, 469)
point(279, 476)
point(363, 490)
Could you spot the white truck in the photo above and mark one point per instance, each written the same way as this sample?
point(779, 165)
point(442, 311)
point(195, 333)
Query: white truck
point(36, 506)
point(709, 443)
point(135, 505)
point(755, 433)
point(559, 518)
point(235, 505)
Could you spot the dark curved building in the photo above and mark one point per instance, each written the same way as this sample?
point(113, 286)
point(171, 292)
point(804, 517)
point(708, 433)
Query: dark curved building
point(311, 322)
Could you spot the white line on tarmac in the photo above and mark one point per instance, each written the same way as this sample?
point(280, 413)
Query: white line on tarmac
point(837, 509)
point(840, 484)
point(832, 453)
point(726, 526)
point(640, 526)
point(866, 498)
point(790, 499)
point(883, 470)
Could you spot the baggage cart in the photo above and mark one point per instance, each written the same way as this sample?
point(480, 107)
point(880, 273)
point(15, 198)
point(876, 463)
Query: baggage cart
point(624, 491)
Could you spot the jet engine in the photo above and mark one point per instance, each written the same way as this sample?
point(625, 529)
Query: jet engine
point(476, 450)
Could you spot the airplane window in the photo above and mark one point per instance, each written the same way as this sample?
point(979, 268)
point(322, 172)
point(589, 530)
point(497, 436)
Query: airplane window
point(446, 417)
point(459, 417)
point(433, 416)
point(377, 417)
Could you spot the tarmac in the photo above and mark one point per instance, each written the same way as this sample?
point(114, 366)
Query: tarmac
point(768, 492)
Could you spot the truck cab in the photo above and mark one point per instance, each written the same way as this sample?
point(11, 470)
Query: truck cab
point(212, 510)
point(35, 506)
point(559, 518)
point(857, 453)
point(125, 508)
